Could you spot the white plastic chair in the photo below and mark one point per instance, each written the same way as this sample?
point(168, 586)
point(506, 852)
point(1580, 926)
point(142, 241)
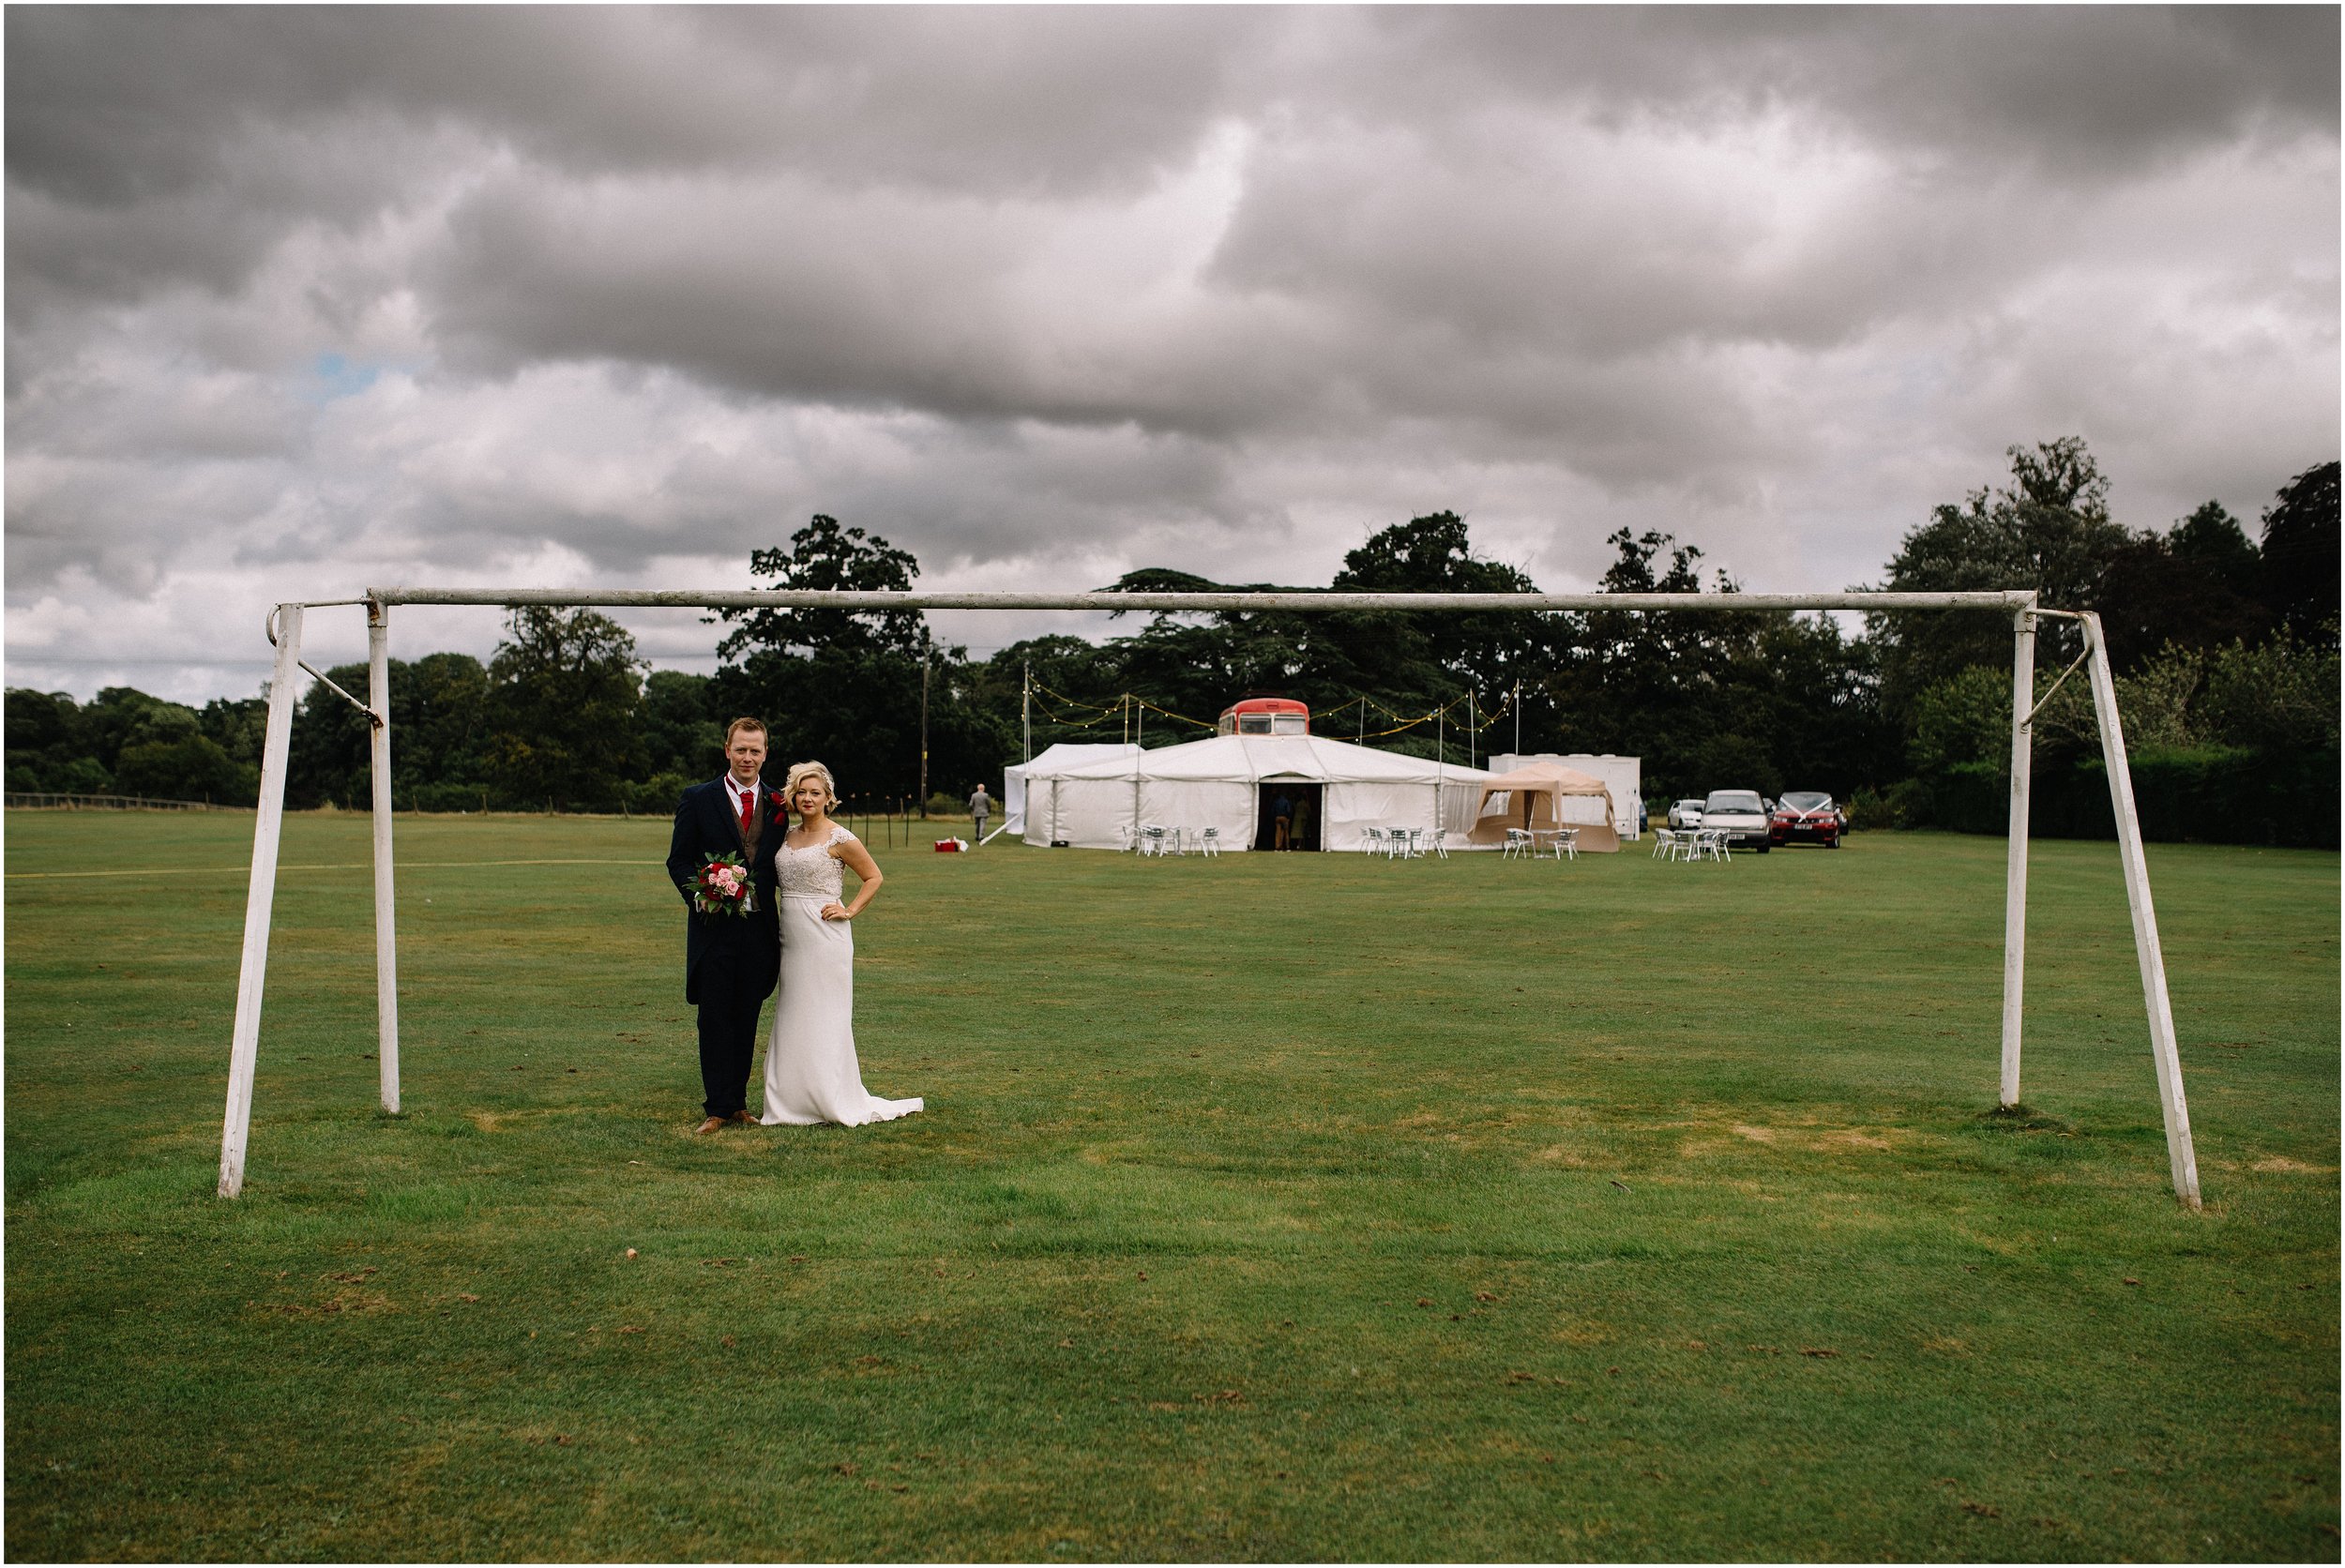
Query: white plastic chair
point(1567, 843)
point(1664, 844)
point(1209, 842)
point(1372, 841)
point(1402, 842)
point(1517, 843)
point(1438, 844)
point(1710, 844)
point(1152, 840)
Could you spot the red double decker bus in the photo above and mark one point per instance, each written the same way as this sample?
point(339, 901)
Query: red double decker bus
point(1265, 715)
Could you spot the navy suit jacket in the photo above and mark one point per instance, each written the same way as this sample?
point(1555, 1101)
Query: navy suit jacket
point(705, 826)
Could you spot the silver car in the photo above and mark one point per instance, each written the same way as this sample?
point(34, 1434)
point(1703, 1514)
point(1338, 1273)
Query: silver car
point(1741, 814)
point(1686, 813)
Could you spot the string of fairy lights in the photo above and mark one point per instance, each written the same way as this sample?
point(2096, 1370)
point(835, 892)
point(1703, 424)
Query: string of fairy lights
point(1130, 711)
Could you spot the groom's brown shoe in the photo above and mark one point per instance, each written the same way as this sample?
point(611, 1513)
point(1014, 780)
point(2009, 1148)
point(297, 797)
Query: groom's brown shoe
point(710, 1125)
point(743, 1117)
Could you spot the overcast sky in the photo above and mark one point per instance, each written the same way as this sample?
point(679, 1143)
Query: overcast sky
point(302, 300)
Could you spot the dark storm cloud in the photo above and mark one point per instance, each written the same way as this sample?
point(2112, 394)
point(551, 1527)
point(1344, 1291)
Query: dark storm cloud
point(300, 296)
point(2075, 88)
point(110, 105)
point(109, 108)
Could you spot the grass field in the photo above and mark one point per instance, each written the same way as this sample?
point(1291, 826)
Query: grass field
point(1297, 1207)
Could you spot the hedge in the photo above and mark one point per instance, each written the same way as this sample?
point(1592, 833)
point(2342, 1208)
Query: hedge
point(2205, 795)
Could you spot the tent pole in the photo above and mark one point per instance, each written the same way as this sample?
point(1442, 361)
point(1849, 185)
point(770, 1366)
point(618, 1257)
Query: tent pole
point(2015, 856)
point(260, 894)
point(2181, 1158)
point(386, 927)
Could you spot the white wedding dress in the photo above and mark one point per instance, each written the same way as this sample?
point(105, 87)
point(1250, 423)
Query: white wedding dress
point(811, 1074)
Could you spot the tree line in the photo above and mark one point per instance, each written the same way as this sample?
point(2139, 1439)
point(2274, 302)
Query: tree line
point(2226, 647)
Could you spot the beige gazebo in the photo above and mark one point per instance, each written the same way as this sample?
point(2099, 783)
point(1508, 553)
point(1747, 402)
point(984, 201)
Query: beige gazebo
point(1543, 796)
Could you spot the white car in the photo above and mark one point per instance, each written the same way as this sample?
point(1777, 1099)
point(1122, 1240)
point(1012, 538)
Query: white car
point(1686, 813)
point(1741, 814)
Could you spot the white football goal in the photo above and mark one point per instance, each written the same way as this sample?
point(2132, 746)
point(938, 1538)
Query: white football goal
point(284, 629)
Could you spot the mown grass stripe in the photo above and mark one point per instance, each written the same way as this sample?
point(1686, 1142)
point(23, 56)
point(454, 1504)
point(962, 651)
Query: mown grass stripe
point(333, 865)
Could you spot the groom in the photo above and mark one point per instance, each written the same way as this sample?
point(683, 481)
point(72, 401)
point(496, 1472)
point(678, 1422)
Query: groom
point(731, 961)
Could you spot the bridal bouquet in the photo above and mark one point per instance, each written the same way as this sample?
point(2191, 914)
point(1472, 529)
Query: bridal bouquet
point(722, 886)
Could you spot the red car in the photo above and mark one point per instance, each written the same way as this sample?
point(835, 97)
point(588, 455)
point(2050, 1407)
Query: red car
point(1805, 817)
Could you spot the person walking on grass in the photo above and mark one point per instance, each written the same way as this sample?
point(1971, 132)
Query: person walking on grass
point(980, 807)
point(732, 956)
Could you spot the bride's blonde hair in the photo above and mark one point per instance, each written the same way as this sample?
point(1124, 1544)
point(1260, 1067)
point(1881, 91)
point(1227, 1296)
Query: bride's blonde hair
point(800, 773)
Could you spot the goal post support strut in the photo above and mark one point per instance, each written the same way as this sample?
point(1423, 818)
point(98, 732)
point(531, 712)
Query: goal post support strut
point(2181, 1158)
point(260, 894)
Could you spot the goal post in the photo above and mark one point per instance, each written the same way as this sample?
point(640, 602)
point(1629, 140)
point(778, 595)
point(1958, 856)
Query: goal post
point(385, 929)
point(2021, 604)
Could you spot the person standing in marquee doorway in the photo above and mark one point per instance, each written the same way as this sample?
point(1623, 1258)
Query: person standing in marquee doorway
point(731, 961)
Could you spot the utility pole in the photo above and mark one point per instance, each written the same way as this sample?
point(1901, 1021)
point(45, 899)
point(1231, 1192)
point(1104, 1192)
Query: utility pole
point(1473, 727)
point(1025, 709)
point(1517, 703)
point(924, 734)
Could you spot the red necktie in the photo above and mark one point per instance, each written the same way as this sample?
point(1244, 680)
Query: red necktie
point(748, 799)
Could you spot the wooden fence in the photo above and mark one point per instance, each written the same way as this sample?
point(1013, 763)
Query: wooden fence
point(34, 800)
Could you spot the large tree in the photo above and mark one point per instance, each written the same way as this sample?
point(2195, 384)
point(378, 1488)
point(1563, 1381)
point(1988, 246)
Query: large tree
point(2197, 586)
point(828, 556)
point(167, 755)
point(847, 689)
point(49, 745)
point(1075, 686)
point(565, 686)
point(1432, 659)
point(682, 738)
point(1757, 699)
point(1394, 666)
point(2300, 553)
point(2048, 529)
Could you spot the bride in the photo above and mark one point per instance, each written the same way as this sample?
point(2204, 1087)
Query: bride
point(811, 1074)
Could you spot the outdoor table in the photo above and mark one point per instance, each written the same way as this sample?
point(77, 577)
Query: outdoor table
point(1554, 839)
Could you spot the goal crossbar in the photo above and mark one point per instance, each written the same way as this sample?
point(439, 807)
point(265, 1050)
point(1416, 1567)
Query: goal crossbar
point(1300, 600)
point(284, 626)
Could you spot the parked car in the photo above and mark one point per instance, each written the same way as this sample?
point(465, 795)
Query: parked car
point(1807, 817)
point(1741, 814)
point(1685, 813)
